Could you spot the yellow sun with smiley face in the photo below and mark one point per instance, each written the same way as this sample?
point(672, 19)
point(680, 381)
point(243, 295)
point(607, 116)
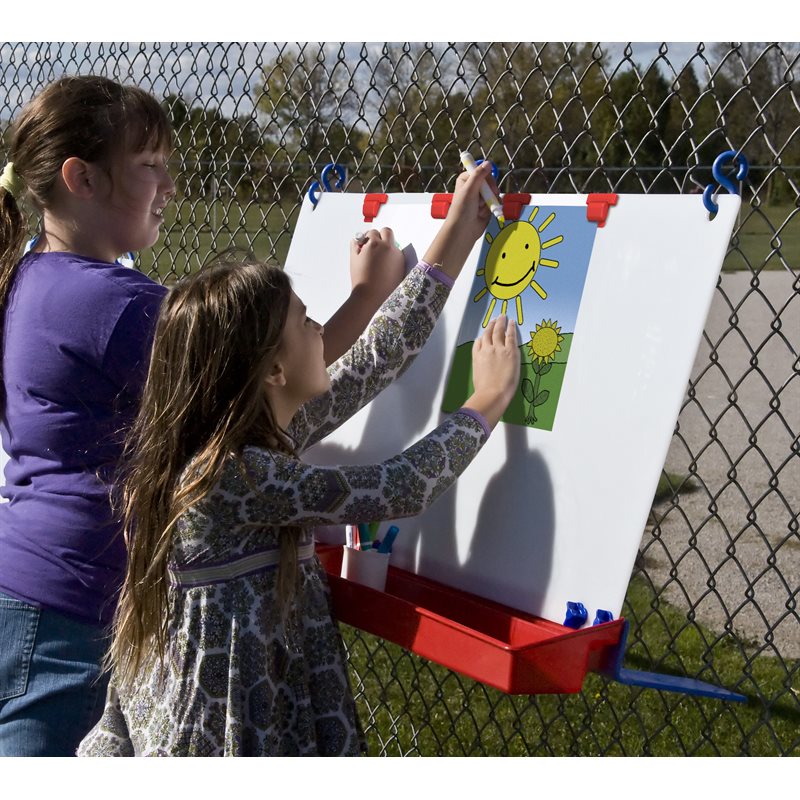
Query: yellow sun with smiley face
point(513, 258)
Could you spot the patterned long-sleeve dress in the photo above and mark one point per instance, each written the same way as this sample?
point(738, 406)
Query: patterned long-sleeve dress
point(240, 678)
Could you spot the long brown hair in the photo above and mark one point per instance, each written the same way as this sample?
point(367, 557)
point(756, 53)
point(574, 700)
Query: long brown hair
point(218, 333)
point(88, 117)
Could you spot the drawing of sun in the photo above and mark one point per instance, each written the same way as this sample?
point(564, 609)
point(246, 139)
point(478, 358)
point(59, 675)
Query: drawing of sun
point(511, 263)
point(545, 342)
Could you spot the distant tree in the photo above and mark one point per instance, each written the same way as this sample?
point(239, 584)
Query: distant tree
point(307, 104)
point(689, 135)
point(217, 156)
point(541, 108)
point(754, 83)
point(641, 114)
point(423, 117)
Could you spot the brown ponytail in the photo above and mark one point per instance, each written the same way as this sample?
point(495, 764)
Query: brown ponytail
point(12, 239)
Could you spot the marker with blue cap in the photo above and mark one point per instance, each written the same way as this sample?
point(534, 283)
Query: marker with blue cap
point(388, 540)
point(486, 193)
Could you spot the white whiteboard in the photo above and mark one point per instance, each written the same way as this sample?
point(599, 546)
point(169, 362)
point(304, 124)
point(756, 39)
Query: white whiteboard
point(541, 517)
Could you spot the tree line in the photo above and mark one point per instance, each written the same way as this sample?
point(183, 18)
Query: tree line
point(551, 118)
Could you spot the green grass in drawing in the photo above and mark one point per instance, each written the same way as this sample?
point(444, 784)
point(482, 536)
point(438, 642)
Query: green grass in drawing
point(540, 378)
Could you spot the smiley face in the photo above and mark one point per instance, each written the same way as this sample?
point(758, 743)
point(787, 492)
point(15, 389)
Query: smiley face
point(514, 256)
point(512, 260)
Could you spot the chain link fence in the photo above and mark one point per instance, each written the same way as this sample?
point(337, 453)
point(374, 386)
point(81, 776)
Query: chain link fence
point(715, 589)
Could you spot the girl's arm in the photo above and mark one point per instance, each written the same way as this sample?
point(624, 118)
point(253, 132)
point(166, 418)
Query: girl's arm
point(376, 269)
point(387, 348)
point(405, 320)
point(284, 491)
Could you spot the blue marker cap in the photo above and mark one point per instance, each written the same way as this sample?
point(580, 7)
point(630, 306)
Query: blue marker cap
point(388, 540)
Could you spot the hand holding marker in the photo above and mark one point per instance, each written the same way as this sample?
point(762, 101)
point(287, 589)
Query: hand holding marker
point(486, 193)
point(361, 239)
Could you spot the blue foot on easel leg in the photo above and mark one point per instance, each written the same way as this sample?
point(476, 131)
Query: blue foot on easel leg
point(668, 683)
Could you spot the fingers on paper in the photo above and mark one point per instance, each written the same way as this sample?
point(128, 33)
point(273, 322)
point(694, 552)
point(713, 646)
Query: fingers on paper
point(374, 236)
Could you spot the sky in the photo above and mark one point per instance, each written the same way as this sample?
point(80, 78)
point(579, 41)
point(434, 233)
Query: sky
point(212, 70)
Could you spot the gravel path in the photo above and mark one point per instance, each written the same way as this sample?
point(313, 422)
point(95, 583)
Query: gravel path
point(731, 548)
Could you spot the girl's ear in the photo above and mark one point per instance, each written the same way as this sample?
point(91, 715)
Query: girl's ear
point(276, 375)
point(79, 176)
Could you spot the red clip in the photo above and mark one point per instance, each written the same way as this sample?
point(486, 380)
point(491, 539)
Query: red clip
point(372, 205)
point(597, 206)
point(513, 204)
point(440, 205)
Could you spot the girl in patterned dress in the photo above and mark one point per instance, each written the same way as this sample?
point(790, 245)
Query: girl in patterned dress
point(224, 641)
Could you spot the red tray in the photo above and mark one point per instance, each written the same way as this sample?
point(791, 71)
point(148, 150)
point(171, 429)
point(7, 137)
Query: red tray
point(494, 644)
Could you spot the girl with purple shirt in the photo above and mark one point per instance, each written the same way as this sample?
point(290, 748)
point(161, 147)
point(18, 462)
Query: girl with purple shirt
point(90, 156)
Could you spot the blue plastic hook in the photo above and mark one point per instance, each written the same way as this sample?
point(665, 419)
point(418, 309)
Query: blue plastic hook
point(724, 180)
point(495, 170)
point(340, 171)
point(576, 615)
point(314, 192)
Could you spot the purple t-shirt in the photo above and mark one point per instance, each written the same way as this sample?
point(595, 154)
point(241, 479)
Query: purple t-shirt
point(76, 346)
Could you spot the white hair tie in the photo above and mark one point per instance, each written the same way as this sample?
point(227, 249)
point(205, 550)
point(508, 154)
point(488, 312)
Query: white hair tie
point(11, 182)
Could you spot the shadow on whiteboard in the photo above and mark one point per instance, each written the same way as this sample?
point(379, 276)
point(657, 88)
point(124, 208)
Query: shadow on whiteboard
point(521, 484)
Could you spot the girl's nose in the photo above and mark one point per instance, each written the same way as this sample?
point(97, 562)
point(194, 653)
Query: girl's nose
point(169, 185)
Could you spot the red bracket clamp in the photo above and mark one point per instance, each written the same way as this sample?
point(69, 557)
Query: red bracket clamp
point(372, 205)
point(440, 205)
point(513, 205)
point(597, 206)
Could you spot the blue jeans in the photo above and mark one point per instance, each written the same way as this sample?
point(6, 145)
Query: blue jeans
point(51, 688)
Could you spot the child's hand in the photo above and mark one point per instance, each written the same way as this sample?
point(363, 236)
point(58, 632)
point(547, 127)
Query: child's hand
point(468, 211)
point(495, 369)
point(377, 266)
point(466, 221)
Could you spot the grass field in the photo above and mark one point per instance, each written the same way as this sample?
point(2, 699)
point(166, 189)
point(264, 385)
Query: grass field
point(194, 229)
point(767, 237)
point(411, 706)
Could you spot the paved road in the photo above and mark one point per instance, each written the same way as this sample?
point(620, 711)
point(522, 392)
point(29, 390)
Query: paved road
point(734, 544)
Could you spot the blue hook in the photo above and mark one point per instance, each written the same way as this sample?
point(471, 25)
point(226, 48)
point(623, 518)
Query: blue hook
point(340, 171)
point(576, 615)
point(495, 170)
point(313, 193)
point(724, 180)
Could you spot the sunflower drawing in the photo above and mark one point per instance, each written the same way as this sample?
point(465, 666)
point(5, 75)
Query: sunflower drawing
point(544, 343)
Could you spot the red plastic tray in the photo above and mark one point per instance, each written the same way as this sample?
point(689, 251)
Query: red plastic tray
point(494, 644)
